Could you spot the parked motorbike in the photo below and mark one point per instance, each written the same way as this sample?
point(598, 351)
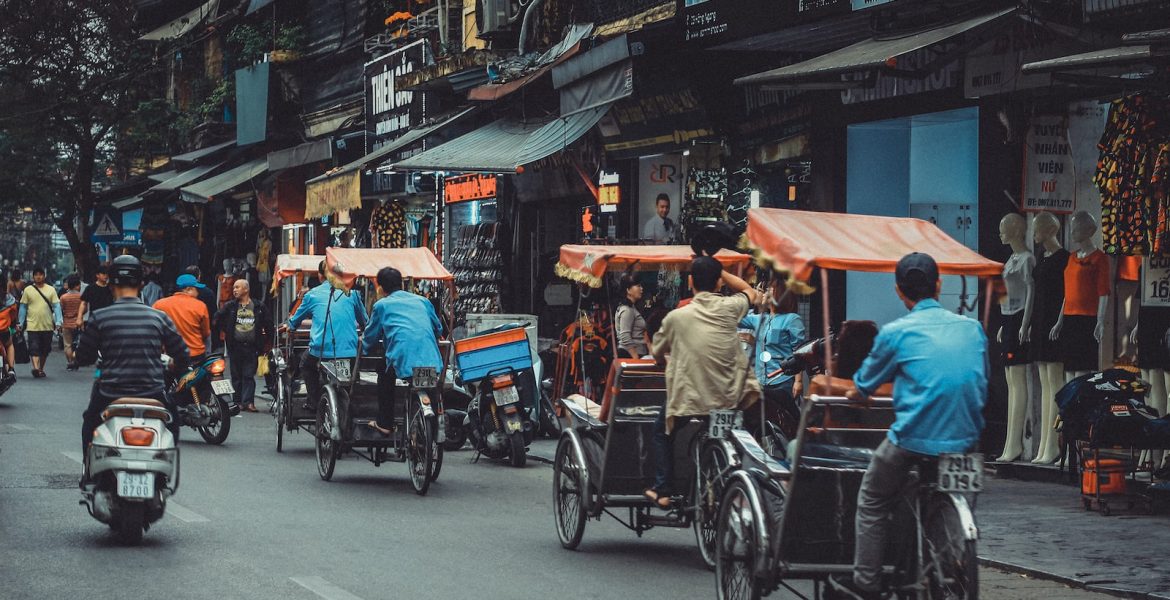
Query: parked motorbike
point(497, 423)
point(205, 399)
point(133, 467)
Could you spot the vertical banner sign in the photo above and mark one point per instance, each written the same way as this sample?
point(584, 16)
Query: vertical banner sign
point(391, 112)
point(1156, 281)
point(1049, 173)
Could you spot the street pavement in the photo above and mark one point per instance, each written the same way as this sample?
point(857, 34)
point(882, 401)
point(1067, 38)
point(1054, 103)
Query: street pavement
point(250, 523)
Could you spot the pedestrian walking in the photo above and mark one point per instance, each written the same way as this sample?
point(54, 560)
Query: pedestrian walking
point(16, 283)
point(96, 296)
point(8, 315)
point(189, 316)
point(151, 292)
point(247, 332)
point(70, 309)
point(40, 315)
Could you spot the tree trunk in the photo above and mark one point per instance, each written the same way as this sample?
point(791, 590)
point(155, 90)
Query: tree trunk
point(74, 218)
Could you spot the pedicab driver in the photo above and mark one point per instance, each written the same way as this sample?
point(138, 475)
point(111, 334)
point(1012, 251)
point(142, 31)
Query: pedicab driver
point(708, 369)
point(336, 316)
point(938, 363)
point(408, 328)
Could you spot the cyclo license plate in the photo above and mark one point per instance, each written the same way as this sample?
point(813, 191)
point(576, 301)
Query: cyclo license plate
point(135, 485)
point(722, 421)
point(506, 395)
point(425, 377)
point(222, 387)
point(340, 367)
point(960, 473)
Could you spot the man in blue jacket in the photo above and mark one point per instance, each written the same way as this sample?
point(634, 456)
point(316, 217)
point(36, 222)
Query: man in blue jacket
point(938, 363)
point(408, 327)
point(337, 315)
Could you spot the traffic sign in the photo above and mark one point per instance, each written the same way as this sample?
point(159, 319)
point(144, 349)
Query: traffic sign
point(107, 224)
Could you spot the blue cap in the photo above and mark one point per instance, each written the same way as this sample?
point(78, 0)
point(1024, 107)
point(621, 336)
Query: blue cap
point(186, 281)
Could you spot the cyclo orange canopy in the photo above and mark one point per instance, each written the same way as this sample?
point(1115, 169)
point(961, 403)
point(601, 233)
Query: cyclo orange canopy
point(797, 241)
point(415, 263)
point(587, 264)
point(288, 265)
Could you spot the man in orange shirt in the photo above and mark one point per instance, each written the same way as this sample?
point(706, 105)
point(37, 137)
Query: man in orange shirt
point(189, 314)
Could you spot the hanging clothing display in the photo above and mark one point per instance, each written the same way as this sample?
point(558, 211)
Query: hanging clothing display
point(1133, 220)
point(388, 224)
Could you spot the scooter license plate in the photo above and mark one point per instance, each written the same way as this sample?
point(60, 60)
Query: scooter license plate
point(506, 396)
point(425, 377)
point(222, 387)
point(135, 485)
point(960, 473)
point(722, 421)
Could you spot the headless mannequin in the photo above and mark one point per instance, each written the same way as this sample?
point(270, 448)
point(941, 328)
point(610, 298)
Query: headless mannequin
point(1051, 372)
point(1082, 227)
point(1017, 309)
point(1128, 282)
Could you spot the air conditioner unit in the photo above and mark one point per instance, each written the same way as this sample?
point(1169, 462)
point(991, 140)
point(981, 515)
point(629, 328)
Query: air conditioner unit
point(492, 17)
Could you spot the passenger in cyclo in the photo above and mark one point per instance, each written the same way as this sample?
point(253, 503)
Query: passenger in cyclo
point(336, 316)
point(938, 363)
point(778, 332)
point(408, 328)
point(707, 368)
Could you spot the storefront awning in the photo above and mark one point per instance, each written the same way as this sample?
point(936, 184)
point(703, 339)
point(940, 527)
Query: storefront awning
point(416, 263)
point(880, 53)
point(182, 25)
point(130, 203)
point(162, 176)
point(196, 155)
point(206, 190)
point(559, 53)
point(340, 189)
point(186, 177)
point(1123, 56)
point(505, 145)
point(303, 154)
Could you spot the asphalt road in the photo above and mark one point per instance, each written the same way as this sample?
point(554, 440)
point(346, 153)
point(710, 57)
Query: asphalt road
point(250, 523)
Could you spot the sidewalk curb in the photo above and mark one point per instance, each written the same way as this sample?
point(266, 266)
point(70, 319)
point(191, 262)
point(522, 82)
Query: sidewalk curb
point(1069, 581)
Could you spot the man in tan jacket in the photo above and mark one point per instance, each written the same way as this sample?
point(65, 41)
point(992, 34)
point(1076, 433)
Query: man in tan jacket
point(708, 369)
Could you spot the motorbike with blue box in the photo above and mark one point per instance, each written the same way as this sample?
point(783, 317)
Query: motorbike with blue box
point(499, 420)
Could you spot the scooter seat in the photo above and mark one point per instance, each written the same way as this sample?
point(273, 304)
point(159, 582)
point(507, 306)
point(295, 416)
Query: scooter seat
point(139, 401)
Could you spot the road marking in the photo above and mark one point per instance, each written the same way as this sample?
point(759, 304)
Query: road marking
point(20, 427)
point(174, 509)
point(323, 588)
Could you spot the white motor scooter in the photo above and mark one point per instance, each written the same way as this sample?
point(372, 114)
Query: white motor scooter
point(132, 467)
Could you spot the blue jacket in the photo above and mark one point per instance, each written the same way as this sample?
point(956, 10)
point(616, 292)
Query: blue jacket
point(407, 325)
point(345, 315)
point(938, 363)
point(779, 336)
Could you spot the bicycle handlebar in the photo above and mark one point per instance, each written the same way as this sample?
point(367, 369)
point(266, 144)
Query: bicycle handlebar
point(875, 401)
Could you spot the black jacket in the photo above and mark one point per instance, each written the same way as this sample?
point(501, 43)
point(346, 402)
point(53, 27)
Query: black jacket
point(224, 323)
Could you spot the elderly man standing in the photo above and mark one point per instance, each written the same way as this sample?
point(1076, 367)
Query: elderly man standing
point(707, 368)
point(247, 330)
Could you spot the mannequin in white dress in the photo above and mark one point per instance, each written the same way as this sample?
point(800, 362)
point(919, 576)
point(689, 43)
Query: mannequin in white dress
point(1017, 315)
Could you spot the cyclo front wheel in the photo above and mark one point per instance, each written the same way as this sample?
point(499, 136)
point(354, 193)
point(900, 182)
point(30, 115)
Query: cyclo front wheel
point(420, 449)
point(281, 410)
point(951, 566)
point(711, 460)
point(570, 478)
point(737, 547)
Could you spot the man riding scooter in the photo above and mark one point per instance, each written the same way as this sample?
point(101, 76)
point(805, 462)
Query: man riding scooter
point(130, 339)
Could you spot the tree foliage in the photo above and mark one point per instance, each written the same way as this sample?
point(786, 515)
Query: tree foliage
point(74, 81)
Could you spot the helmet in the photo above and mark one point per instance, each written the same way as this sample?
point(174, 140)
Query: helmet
point(126, 271)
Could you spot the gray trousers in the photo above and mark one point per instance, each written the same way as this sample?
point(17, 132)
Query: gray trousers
point(881, 490)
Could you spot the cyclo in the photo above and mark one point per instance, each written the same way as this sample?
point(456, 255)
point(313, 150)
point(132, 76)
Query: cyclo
point(601, 460)
point(349, 386)
point(793, 518)
point(288, 392)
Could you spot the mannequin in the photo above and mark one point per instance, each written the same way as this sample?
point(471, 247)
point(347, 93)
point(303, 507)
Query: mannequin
point(1128, 277)
point(1017, 313)
point(1044, 350)
point(1153, 359)
point(1087, 287)
point(226, 280)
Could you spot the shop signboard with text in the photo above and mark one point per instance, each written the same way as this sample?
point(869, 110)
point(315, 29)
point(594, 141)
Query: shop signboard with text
point(391, 112)
point(1156, 281)
point(465, 188)
point(709, 22)
point(1049, 171)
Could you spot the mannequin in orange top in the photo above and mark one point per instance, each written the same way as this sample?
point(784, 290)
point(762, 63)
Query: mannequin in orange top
point(1087, 286)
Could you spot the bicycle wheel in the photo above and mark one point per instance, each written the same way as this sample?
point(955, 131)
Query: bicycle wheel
point(712, 460)
point(569, 483)
point(951, 565)
point(326, 447)
point(437, 450)
point(736, 546)
point(281, 411)
point(419, 449)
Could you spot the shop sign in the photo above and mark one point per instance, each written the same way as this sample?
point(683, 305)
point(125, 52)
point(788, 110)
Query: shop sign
point(1156, 281)
point(864, 4)
point(994, 67)
point(464, 188)
point(609, 196)
point(391, 112)
point(1049, 172)
point(707, 22)
point(887, 86)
